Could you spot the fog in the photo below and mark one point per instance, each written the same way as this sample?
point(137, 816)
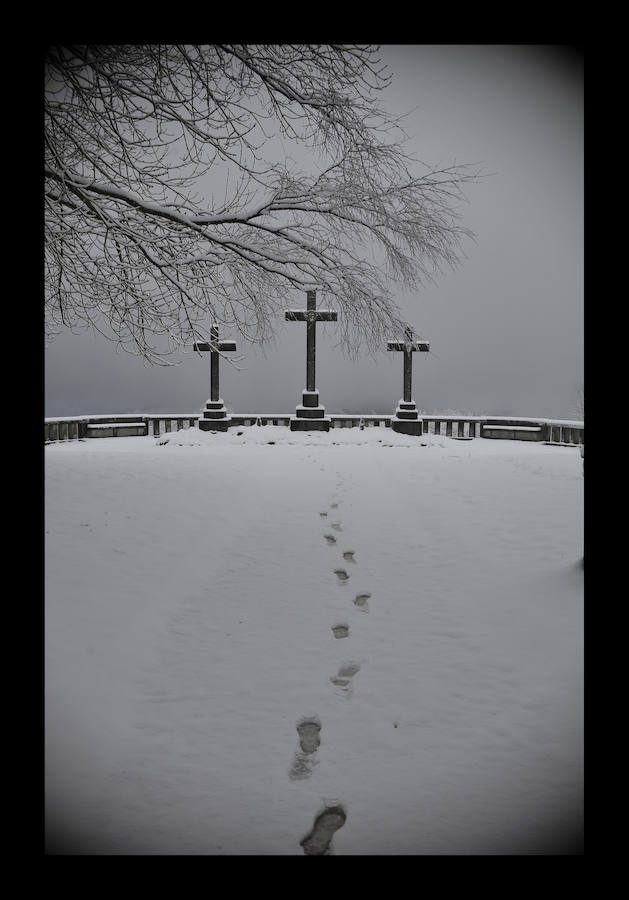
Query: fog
point(505, 328)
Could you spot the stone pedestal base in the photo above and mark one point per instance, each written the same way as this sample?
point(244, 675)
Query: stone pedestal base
point(214, 424)
point(408, 426)
point(299, 423)
point(310, 416)
point(406, 419)
point(310, 412)
point(310, 399)
point(215, 417)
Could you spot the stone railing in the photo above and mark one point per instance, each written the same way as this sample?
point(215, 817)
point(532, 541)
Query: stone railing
point(68, 428)
point(551, 431)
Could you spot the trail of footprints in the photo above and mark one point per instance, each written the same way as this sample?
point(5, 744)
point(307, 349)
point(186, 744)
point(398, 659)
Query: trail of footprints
point(318, 841)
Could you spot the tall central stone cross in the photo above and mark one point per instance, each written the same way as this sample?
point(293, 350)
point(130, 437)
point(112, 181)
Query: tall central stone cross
point(214, 415)
point(406, 419)
point(310, 416)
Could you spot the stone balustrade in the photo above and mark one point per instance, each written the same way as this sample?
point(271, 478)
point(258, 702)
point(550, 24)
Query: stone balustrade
point(551, 431)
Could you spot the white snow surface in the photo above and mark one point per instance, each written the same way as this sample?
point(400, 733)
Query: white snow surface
point(189, 606)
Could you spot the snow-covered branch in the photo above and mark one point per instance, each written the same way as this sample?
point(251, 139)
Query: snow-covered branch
point(138, 141)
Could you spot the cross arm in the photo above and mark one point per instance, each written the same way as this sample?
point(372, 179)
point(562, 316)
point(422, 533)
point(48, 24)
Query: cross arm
point(305, 315)
point(405, 345)
point(221, 345)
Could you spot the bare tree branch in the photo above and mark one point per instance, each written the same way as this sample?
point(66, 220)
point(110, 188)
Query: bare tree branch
point(137, 138)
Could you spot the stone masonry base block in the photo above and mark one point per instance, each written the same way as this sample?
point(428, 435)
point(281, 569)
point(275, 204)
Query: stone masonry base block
point(301, 424)
point(406, 413)
point(310, 412)
point(406, 426)
point(310, 399)
point(214, 424)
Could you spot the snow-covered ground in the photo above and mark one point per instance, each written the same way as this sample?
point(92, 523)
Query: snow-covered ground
point(192, 609)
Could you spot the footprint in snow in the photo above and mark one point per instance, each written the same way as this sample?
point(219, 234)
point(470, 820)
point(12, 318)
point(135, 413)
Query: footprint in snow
point(360, 600)
point(309, 740)
point(330, 538)
point(308, 731)
point(317, 842)
point(341, 630)
point(349, 555)
point(343, 679)
point(334, 505)
point(323, 514)
point(341, 574)
point(337, 526)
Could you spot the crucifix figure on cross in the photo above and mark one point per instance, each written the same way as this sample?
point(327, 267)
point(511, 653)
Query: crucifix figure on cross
point(406, 419)
point(310, 416)
point(214, 415)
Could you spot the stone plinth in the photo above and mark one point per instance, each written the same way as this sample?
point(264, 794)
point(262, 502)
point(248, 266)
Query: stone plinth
point(310, 399)
point(408, 426)
point(303, 424)
point(310, 412)
point(406, 419)
point(215, 417)
point(309, 416)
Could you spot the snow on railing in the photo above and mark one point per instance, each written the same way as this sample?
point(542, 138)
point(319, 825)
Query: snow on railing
point(560, 432)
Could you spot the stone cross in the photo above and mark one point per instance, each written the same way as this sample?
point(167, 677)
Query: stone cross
point(310, 415)
point(214, 417)
point(406, 419)
point(214, 347)
point(408, 347)
point(311, 315)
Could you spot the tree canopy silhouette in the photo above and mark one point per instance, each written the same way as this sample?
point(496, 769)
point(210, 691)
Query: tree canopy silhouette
point(191, 185)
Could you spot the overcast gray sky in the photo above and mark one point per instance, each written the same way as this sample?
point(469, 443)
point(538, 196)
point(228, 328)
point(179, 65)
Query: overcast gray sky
point(506, 328)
